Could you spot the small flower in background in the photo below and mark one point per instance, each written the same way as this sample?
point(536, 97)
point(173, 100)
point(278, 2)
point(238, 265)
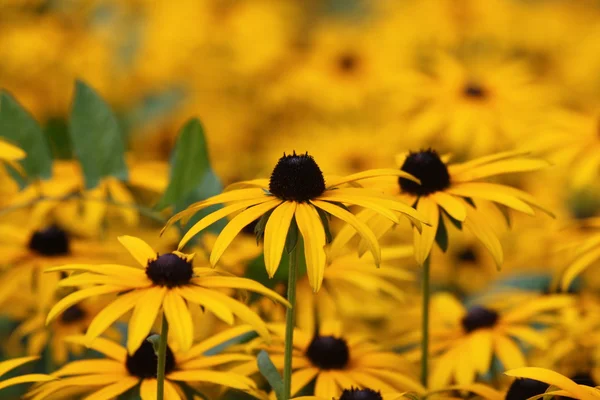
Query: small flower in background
point(119, 372)
point(297, 191)
point(167, 282)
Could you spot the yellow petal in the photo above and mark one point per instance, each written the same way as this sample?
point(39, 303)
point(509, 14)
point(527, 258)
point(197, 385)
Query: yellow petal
point(490, 192)
point(179, 318)
point(454, 207)
point(362, 201)
point(10, 152)
point(139, 249)
point(194, 295)
point(122, 271)
point(313, 233)
point(551, 378)
point(325, 386)
point(126, 203)
point(107, 347)
point(424, 240)
point(114, 390)
point(217, 215)
point(143, 317)
point(25, 379)
point(508, 352)
point(301, 378)
point(83, 367)
point(148, 389)
point(363, 230)
point(236, 225)
point(479, 227)
point(213, 341)
point(578, 266)
point(229, 379)
point(8, 365)
point(371, 173)
point(241, 283)
point(276, 232)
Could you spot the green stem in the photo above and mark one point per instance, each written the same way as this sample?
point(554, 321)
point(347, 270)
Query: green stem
point(425, 324)
point(162, 359)
point(289, 327)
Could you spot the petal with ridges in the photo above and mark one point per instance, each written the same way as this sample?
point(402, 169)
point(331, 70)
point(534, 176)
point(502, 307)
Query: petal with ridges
point(312, 231)
point(276, 232)
point(179, 318)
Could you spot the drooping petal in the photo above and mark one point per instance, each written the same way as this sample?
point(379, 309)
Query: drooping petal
point(371, 173)
point(122, 271)
point(454, 207)
point(29, 378)
point(276, 232)
point(508, 352)
point(143, 317)
point(180, 319)
point(236, 225)
point(499, 168)
point(195, 295)
point(312, 231)
point(217, 215)
point(578, 266)
point(301, 378)
point(232, 380)
point(551, 378)
point(325, 386)
point(8, 365)
point(107, 347)
point(213, 341)
point(490, 192)
point(148, 389)
point(479, 227)
point(114, 390)
point(424, 240)
point(362, 201)
point(139, 249)
point(84, 367)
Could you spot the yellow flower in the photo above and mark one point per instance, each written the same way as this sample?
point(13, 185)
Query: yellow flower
point(450, 192)
point(119, 371)
point(165, 282)
point(483, 333)
point(297, 192)
point(567, 387)
point(337, 361)
point(8, 365)
point(28, 251)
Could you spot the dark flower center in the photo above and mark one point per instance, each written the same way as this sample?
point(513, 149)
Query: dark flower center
point(144, 363)
point(50, 242)
point(522, 389)
point(426, 166)
point(360, 394)
point(72, 314)
point(479, 317)
point(474, 91)
point(169, 270)
point(347, 62)
point(297, 178)
point(328, 352)
point(467, 255)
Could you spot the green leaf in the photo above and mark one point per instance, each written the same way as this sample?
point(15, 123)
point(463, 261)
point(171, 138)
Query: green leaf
point(192, 179)
point(292, 236)
point(269, 371)
point(21, 129)
point(96, 137)
point(441, 236)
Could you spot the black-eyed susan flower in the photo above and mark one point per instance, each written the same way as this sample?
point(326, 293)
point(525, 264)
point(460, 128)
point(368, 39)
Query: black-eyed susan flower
point(451, 192)
point(336, 361)
point(167, 282)
point(119, 372)
point(11, 364)
point(26, 252)
point(465, 345)
point(560, 385)
point(297, 191)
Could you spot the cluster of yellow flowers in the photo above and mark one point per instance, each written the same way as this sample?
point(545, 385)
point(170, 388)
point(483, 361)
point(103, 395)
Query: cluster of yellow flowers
point(410, 204)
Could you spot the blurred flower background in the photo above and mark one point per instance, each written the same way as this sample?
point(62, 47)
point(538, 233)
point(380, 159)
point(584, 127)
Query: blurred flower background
point(356, 84)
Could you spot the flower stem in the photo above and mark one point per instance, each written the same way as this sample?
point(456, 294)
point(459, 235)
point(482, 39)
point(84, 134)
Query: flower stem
point(162, 358)
point(289, 327)
point(425, 324)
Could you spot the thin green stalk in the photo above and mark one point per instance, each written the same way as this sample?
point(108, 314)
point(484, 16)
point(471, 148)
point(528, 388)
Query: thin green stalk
point(289, 327)
point(162, 359)
point(425, 325)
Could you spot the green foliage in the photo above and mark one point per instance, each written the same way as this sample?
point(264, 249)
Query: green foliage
point(192, 178)
point(96, 137)
point(269, 371)
point(292, 236)
point(20, 128)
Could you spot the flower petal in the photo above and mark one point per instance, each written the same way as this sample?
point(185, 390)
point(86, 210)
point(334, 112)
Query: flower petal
point(312, 231)
point(551, 378)
point(143, 317)
point(451, 205)
point(194, 295)
point(114, 390)
point(276, 232)
point(76, 297)
point(424, 240)
point(139, 249)
point(180, 319)
point(241, 283)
